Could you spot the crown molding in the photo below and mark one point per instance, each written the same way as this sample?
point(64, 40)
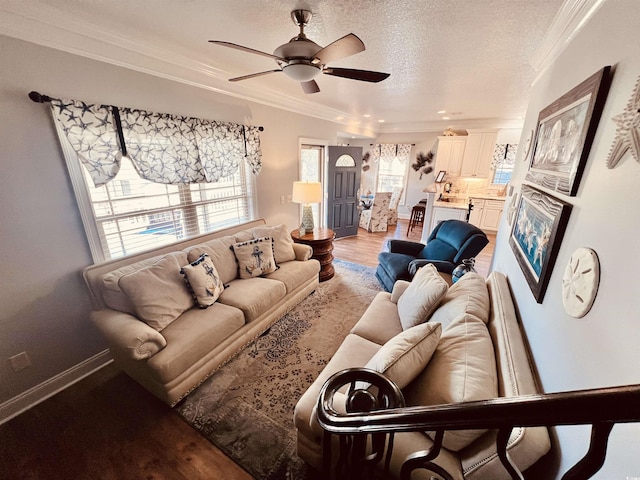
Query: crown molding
point(459, 124)
point(569, 20)
point(49, 27)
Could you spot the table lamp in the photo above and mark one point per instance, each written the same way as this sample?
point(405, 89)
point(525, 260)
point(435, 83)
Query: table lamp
point(307, 193)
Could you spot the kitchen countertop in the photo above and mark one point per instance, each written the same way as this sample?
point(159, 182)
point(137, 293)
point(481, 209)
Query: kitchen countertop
point(457, 205)
point(488, 197)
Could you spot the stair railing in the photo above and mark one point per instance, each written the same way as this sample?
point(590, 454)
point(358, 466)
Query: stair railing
point(375, 414)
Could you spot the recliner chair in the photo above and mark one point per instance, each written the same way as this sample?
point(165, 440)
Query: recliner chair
point(450, 242)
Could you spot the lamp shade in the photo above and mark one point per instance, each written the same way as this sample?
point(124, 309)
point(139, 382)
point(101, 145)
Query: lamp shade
point(307, 192)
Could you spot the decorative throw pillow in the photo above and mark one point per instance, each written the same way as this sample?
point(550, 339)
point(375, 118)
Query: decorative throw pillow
point(462, 369)
point(158, 292)
point(404, 356)
point(468, 295)
point(422, 297)
point(282, 241)
point(255, 257)
point(203, 281)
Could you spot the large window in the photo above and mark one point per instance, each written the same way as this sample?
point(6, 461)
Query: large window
point(504, 157)
point(393, 164)
point(132, 214)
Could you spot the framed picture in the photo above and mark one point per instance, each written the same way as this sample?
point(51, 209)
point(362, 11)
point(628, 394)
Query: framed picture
point(565, 133)
point(536, 235)
point(440, 176)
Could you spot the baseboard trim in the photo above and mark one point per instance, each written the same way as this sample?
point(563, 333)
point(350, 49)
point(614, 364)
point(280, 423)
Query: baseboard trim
point(30, 398)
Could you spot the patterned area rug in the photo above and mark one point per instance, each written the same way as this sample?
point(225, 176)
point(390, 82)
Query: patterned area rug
point(246, 407)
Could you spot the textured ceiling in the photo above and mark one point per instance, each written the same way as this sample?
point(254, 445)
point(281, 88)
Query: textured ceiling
point(470, 57)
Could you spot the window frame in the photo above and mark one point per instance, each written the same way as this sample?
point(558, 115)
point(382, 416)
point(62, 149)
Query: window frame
point(85, 202)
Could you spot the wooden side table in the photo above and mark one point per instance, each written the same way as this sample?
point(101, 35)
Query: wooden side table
point(321, 241)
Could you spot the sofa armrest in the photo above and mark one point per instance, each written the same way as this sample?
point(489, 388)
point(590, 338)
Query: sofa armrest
point(128, 335)
point(405, 247)
point(398, 289)
point(303, 252)
point(441, 266)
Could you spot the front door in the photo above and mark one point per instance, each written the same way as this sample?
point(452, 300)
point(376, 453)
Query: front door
point(343, 184)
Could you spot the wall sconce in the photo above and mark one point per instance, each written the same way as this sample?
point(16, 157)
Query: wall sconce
point(307, 193)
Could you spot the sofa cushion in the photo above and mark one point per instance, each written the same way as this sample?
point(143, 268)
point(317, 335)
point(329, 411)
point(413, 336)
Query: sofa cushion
point(255, 257)
point(422, 296)
point(158, 291)
point(405, 355)
point(467, 295)
point(219, 250)
point(293, 274)
point(462, 369)
point(191, 337)
point(254, 296)
point(282, 241)
point(380, 322)
point(113, 295)
point(203, 281)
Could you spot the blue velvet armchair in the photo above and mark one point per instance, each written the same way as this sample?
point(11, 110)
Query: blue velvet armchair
point(449, 243)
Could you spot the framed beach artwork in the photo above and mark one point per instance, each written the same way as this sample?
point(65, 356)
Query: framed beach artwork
point(565, 133)
point(536, 235)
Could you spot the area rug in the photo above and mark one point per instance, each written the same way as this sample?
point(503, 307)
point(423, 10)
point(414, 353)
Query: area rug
point(246, 407)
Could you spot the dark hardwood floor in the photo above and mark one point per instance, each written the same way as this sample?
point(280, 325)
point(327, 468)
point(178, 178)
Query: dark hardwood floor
point(108, 427)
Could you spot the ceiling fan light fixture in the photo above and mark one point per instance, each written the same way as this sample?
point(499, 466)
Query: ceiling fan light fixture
point(301, 72)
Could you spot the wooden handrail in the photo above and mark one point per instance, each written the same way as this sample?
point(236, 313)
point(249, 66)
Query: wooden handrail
point(600, 407)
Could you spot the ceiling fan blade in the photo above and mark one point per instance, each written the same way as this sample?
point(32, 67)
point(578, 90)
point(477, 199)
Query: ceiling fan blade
point(246, 49)
point(362, 75)
point(310, 87)
point(259, 74)
point(341, 48)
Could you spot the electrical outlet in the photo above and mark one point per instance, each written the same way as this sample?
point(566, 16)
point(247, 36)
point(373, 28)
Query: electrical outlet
point(281, 199)
point(289, 198)
point(20, 361)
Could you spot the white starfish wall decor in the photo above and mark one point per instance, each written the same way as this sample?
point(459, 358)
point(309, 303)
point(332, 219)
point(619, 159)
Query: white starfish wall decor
point(627, 130)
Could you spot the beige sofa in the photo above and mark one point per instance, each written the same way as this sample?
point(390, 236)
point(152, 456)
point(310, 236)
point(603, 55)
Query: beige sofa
point(171, 360)
point(477, 353)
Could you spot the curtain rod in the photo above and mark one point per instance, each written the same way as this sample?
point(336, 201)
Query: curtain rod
point(39, 98)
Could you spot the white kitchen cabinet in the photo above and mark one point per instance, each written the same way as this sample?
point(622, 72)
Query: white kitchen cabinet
point(478, 152)
point(449, 154)
point(440, 214)
point(486, 214)
point(475, 218)
point(491, 214)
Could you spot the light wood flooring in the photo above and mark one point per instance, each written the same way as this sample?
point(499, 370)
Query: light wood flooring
point(108, 427)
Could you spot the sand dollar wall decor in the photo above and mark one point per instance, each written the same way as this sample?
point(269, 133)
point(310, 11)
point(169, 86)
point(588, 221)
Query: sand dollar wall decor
point(580, 282)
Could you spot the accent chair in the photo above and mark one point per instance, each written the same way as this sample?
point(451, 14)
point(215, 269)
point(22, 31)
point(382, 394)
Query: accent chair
point(449, 243)
point(396, 193)
point(376, 218)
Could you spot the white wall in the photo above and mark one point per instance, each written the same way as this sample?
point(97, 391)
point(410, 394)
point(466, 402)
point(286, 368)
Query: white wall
point(603, 348)
point(42, 242)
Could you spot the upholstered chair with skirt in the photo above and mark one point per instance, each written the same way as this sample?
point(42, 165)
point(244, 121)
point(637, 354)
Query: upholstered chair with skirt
point(396, 193)
point(449, 243)
point(376, 218)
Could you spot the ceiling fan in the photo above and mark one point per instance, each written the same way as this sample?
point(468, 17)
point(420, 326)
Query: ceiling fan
point(302, 59)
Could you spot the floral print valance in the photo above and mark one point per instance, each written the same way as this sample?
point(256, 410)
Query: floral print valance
point(163, 148)
point(390, 151)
